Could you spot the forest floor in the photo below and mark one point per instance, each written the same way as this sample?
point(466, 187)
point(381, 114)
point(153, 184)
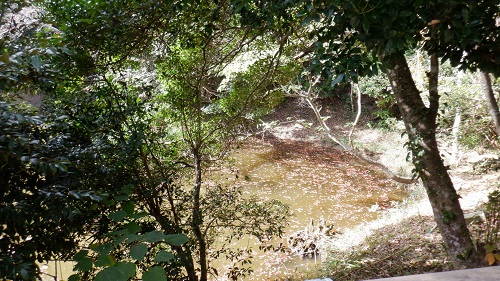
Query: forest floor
point(405, 239)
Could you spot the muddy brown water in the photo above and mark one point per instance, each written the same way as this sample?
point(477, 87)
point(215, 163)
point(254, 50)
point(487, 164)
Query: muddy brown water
point(318, 183)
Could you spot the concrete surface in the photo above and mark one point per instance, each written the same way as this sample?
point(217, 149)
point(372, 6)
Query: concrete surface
point(491, 273)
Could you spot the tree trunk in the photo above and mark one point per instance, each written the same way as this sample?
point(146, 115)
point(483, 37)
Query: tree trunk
point(455, 132)
point(420, 123)
point(490, 99)
point(198, 219)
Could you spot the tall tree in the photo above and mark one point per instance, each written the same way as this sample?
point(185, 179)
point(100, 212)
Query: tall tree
point(353, 38)
point(199, 98)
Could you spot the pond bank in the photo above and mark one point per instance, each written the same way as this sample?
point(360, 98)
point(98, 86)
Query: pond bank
point(404, 239)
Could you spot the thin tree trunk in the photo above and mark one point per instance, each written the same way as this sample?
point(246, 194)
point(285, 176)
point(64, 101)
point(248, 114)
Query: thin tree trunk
point(420, 123)
point(491, 100)
point(455, 132)
point(197, 220)
point(358, 112)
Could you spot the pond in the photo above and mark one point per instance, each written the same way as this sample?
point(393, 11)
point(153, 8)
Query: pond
point(320, 184)
point(323, 186)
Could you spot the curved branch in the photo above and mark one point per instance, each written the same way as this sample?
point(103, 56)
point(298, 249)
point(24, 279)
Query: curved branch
point(358, 114)
point(391, 175)
point(308, 96)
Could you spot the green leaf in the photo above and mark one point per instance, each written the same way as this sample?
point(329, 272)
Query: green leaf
point(102, 248)
point(406, 13)
point(338, 79)
point(63, 168)
point(84, 264)
point(156, 273)
point(448, 35)
point(118, 216)
point(109, 202)
point(307, 20)
point(366, 24)
point(489, 248)
point(118, 240)
point(465, 14)
point(154, 236)
point(118, 232)
point(128, 189)
point(74, 277)
point(36, 62)
point(163, 256)
point(138, 252)
point(105, 260)
point(25, 274)
point(355, 21)
point(128, 207)
point(176, 239)
point(127, 267)
point(80, 255)
point(111, 274)
point(5, 58)
point(138, 215)
point(133, 227)
point(121, 197)
point(131, 238)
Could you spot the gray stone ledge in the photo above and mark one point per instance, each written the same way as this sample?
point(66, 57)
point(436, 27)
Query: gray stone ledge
point(478, 274)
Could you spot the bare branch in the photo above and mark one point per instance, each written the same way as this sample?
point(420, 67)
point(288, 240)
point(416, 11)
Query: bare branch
point(309, 98)
point(358, 114)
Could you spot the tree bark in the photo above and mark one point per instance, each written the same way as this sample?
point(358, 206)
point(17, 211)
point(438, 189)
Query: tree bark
point(491, 100)
point(197, 219)
point(420, 123)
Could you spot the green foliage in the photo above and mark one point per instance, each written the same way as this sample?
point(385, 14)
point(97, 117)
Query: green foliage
point(128, 250)
point(461, 91)
point(27, 48)
point(154, 134)
point(352, 36)
point(118, 165)
point(378, 88)
point(41, 208)
point(415, 154)
point(492, 213)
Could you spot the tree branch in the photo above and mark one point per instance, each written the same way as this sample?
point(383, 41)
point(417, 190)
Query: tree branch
point(309, 97)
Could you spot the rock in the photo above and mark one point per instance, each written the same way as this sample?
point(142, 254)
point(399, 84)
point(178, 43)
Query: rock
point(476, 217)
